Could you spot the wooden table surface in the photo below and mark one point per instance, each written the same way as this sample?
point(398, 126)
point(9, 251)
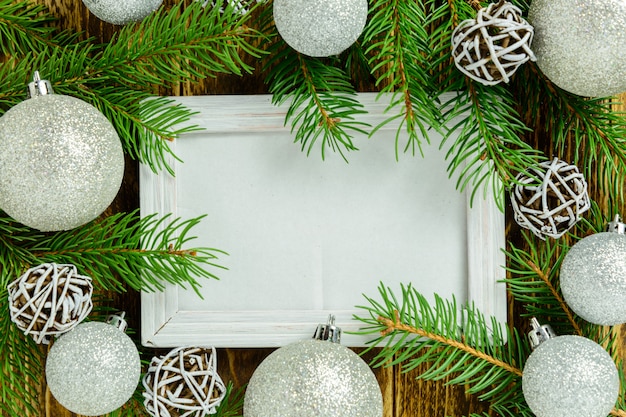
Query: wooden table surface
point(403, 395)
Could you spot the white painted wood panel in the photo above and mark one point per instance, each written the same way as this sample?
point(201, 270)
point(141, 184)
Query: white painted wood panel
point(308, 237)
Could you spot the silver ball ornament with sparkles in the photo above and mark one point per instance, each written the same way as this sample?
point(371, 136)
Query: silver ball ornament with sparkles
point(313, 378)
point(61, 162)
point(580, 45)
point(122, 12)
point(593, 278)
point(94, 369)
point(320, 28)
point(570, 376)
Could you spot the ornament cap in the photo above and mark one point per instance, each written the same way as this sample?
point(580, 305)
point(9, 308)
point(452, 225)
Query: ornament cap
point(540, 333)
point(328, 331)
point(616, 226)
point(39, 87)
point(117, 320)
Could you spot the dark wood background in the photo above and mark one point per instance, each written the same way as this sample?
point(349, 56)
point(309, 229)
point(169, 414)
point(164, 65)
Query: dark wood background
point(404, 396)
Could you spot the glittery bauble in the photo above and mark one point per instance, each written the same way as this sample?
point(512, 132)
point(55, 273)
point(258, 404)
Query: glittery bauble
point(61, 162)
point(94, 369)
point(580, 45)
point(49, 300)
point(593, 278)
point(320, 28)
point(120, 12)
point(570, 376)
point(313, 378)
point(555, 204)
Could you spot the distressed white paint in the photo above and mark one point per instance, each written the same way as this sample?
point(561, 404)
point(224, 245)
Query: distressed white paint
point(308, 237)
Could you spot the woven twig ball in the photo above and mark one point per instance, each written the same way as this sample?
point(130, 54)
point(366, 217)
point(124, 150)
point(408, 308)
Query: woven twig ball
point(491, 47)
point(49, 300)
point(553, 206)
point(183, 383)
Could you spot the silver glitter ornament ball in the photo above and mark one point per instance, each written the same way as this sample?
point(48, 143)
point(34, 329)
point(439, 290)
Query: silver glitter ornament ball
point(313, 378)
point(593, 278)
point(580, 45)
point(570, 376)
point(61, 162)
point(121, 12)
point(94, 369)
point(320, 28)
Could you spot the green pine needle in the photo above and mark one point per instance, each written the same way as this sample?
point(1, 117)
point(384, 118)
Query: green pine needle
point(322, 102)
point(396, 42)
point(123, 249)
point(462, 348)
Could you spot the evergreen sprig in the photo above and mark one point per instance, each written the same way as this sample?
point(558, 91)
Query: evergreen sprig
point(397, 46)
point(488, 148)
point(322, 101)
point(462, 348)
point(21, 363)
point(534, 273)
point(143, 253)
point(571, 122)
point(185, 43)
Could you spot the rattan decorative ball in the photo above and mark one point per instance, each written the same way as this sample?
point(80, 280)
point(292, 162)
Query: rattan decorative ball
point(491, 47)
point(550, 198)
point(183, 383)
point(49, 300)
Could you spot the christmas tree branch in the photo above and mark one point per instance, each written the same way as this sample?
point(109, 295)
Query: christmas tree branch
point(488, 147)
point(545, 278)
point(143, 253)
point(322, 101)
point(185, 43)
point(397, 46)
point(26, 27)
point(572, 122)
point(533, 281)
point(458, 347)
point(395, 325)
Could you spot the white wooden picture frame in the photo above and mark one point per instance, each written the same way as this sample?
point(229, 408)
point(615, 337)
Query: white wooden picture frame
point(306, 238)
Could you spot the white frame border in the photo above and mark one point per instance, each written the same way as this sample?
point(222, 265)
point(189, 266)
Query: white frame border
point(164, 325)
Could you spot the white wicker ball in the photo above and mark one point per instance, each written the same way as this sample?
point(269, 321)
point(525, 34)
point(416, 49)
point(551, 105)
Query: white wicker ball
point(548, 199)
point(491, 47)
point(49, 300)
point(183, 383)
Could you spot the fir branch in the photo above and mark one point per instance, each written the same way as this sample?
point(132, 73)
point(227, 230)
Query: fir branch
point(396, 325)
point(142, 253)
point(184, 43)
point(21, 365)
point(489, 147)
point(397, 47)
point(463, 350)
point(24, 27)
point(534, 282)
point(232, 404)
point(322, 101)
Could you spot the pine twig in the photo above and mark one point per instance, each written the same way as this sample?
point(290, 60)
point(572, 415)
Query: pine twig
point(568, 311)
point(397, 325)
